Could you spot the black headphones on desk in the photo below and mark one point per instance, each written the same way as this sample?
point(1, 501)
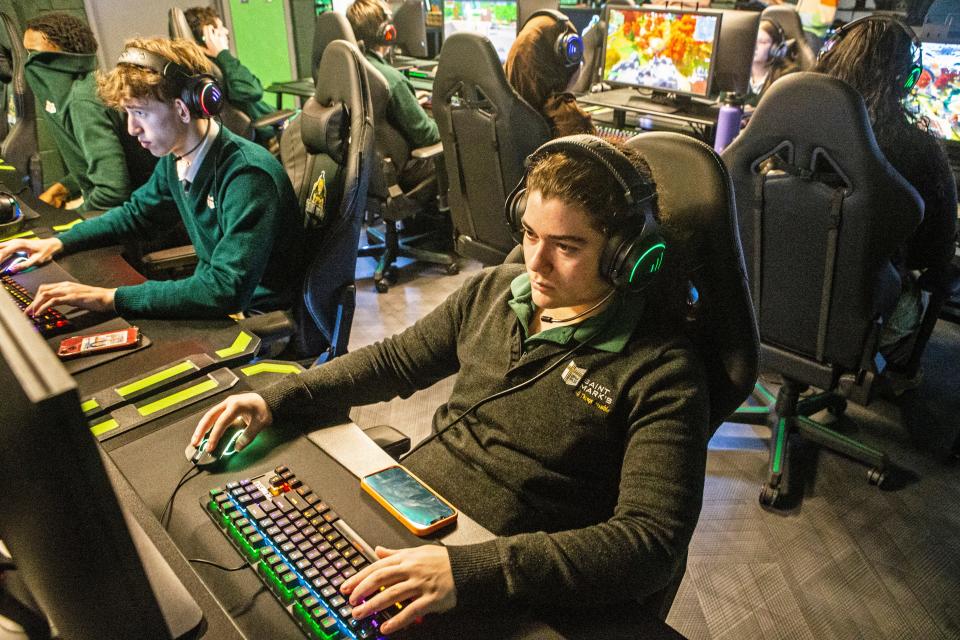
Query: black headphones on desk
point(200, 92)
point(634, 251)
point(569, 46)
point(909, 79)
point(11, 217)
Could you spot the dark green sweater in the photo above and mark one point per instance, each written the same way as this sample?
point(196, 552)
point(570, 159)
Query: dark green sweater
point(104, 163)
point(244, 91)
point(242, 217)
point(403, 111)
point(592, 476)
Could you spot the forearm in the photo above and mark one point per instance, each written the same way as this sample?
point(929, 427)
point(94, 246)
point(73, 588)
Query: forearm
point(240, 84)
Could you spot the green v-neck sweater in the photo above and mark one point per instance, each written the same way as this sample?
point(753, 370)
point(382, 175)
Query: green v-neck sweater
point(242, 217)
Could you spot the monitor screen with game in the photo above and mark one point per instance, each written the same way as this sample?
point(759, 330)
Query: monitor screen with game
point(667, 51)
point(495, 20)
point(937, 93)
point(90, 567)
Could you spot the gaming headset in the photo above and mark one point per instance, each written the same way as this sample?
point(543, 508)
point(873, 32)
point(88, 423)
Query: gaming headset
point(780, 50)
point(916, 68)
point(634, 250)
point(200, 92)
point(569, 46)
point(386, 32)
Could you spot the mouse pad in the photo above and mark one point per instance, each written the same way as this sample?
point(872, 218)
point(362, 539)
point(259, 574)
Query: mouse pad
point(83, 363)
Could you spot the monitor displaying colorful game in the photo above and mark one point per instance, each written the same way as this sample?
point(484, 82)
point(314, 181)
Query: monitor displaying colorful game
point(664, 50)
point(495, 20)
point(937, 93)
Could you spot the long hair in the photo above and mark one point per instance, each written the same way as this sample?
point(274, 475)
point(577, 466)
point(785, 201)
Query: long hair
point(875, 58)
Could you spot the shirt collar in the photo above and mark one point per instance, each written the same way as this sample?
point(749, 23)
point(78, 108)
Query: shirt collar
point(187, 168)
point(615, 324)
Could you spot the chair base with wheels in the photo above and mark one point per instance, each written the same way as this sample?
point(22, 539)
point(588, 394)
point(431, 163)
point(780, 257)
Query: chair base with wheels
point(787, 416)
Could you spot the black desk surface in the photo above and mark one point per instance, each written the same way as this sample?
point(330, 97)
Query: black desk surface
point(150, 460)
point(625, 100)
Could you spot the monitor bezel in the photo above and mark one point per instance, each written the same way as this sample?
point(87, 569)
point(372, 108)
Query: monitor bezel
point(661, 90)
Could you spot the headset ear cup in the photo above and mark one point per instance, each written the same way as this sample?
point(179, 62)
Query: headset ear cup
point(203, 96)
point(570, 49)
point(912, 77)
point(633, 256)
point(515, 206)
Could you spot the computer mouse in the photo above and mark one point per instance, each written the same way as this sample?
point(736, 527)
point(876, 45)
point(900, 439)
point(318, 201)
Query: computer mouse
point(15, 259)
point(225, 448)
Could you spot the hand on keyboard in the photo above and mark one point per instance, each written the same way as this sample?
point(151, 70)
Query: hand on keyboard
point(420, 576)
point(71, 293)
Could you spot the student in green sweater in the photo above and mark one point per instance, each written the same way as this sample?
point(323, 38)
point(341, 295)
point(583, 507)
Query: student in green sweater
point(234, 198)
point(104, 164)
point(576, 430)
point(242, 88)
point(369, 20)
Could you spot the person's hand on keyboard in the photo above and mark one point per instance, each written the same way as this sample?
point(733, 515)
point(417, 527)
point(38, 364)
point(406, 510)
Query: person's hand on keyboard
point(249, 407)
point(38, 251)
point(419, 576)
point(72, 293)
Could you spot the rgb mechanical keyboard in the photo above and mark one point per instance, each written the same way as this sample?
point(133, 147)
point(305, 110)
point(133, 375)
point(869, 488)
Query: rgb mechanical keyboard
point(614, 135)
point(300, 548)
point(49, 323)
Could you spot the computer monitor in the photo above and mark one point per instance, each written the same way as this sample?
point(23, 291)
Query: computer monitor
point(341, 6)
point(738, 39)
point(410, 20)
point(495, 20)
point(93, 572)
point(937, 93)
point(666, 51)
point(526, 8)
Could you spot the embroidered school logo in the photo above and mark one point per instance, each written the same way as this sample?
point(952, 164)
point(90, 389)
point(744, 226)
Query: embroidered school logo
point(50, 107)
point(210, 204)
point(590, 392)
point(572, 374)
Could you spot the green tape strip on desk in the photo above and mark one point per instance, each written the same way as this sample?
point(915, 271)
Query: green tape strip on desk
point(266, 366)
point(59, 228)
point(22, 234)
point(240, 345)
point(156, 378)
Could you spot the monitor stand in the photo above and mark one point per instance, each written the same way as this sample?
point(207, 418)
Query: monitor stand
point(659, 102)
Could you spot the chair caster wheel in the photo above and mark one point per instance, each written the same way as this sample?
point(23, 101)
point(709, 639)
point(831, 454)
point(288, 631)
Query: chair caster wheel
point(453, 269)
point(769, 496)
point(876, 476)
point(839, 409)
point(382, 285)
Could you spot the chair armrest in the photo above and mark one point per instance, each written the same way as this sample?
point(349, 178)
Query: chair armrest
point(389, 439)
point(172, 258)
point(274, 118)
point(432, 151)
point(270, 326)
point(946, 280)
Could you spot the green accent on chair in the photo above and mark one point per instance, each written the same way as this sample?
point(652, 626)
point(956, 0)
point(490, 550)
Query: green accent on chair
point(239, 345)
point(778, 450)
point(178, 397)
point(760, 389)
point(160, 376)
point(270, 367)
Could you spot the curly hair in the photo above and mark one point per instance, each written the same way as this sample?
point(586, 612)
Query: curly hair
point(126, 81)
point(69, 33)
point(198, 18)
point(875, 58)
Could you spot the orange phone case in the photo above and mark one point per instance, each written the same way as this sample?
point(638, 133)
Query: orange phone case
point(414, 528)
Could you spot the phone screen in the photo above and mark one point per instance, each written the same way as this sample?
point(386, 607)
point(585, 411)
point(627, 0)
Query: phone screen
point(414, 501)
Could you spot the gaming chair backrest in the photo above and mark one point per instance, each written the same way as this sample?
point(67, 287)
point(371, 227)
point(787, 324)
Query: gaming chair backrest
point(329, 26)
point(20, 143)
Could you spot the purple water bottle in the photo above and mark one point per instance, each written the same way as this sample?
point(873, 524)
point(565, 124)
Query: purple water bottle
point(728, 121)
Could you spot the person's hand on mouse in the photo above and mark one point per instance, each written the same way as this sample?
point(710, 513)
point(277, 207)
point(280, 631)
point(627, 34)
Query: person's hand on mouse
point(249, 407)
point(37, 250)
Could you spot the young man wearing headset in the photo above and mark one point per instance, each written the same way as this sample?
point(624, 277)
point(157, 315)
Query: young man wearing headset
point(577, 428)
point(234, 198)
point(370, 21)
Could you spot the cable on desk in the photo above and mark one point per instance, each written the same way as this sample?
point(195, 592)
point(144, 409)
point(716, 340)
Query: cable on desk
point(167, 507)
point(217, 564)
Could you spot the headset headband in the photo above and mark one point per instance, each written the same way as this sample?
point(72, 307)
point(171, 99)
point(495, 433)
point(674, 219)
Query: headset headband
point(155, 62)
point(917, 46)
point(200, 92)
point(781, 34)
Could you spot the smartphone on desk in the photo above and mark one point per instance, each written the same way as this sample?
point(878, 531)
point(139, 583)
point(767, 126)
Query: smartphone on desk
point(98, 343)
point(409, 499)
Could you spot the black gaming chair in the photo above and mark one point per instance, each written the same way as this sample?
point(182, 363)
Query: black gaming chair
point(593, 37)
point(394, 205)
point(822, 213)
point(19, 148)
point(328, 154)
point(329, 26)
point(786, 16)
point(487, 131)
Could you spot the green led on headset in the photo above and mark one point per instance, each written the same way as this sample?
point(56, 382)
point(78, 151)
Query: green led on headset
point(659, 248)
